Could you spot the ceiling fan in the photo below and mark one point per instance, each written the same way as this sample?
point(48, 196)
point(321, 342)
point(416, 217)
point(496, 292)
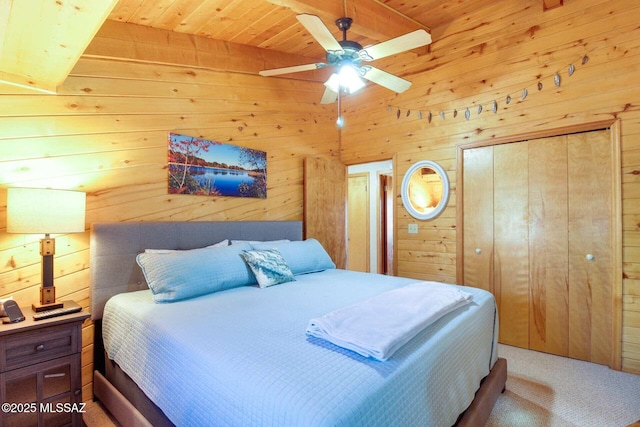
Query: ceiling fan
point(347, 56)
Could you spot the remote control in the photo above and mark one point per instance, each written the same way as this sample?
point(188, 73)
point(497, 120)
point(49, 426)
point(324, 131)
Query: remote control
point(56, 312)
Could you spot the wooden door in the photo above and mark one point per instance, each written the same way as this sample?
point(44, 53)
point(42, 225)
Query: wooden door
point(358, 228)
point(478, 226)
point(548, 246)
point(325, 198)
point(387, 201)
point(511, 237)
point(590, 246)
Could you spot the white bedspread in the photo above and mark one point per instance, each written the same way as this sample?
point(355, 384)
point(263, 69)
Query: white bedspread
point(378, 326)
point(241, 357)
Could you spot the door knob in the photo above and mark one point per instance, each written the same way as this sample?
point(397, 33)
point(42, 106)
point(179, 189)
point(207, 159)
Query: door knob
point(478, 251)
point(590, 257)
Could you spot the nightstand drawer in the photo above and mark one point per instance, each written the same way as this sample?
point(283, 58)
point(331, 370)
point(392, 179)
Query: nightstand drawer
point(35, 346)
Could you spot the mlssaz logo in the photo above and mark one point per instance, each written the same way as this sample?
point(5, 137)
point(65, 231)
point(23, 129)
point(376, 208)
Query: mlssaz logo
point(65, 407)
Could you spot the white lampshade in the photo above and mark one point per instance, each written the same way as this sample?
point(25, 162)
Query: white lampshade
point(350, 79)
point(45, 211)
point(333, 83)
point(347, 78)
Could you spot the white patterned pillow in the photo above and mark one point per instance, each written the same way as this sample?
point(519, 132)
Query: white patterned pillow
point(268, 266)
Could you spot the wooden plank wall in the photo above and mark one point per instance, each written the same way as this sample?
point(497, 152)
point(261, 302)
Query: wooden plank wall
point(106, 133)
point(486, 56)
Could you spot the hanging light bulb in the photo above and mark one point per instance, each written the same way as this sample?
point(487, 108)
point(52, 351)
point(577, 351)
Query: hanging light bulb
point(349, 79)
point(346, 78)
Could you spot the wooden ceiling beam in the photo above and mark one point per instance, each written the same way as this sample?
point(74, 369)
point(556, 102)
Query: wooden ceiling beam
point(371, 18)
point(41, 40)
point(131, 42)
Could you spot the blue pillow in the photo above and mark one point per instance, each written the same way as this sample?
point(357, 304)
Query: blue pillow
point(268, 266)
point(186, 274)
point(306, 256)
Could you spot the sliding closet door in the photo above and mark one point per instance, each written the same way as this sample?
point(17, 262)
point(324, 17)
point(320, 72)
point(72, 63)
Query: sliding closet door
point(478, 225)
point(538, 221)
point(548, 246)
point(511, 236)
point(590, 247)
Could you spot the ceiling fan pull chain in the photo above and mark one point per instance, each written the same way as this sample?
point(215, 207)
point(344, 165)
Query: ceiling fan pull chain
point(340, 119)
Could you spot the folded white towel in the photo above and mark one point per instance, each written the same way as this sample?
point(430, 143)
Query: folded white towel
point(380, 325)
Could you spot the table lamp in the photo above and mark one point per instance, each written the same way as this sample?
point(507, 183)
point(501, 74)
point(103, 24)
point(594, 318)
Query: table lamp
point(45, 211)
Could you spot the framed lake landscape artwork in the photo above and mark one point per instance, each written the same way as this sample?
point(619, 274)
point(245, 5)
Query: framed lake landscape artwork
point(210, 168)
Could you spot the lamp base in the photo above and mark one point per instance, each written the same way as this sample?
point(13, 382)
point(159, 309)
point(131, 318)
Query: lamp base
point(47, 299)
point(43, 307)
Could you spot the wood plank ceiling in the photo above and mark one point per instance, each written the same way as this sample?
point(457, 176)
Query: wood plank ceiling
point(269, 25)
point(41, 40)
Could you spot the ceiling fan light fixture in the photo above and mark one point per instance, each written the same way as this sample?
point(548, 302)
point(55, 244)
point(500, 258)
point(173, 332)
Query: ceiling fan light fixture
point(333, 83)
point(349, 79)
point(346, 78)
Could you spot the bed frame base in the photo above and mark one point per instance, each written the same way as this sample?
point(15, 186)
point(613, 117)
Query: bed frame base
point(124, 399)
point(490, 389)
point(128, 414)
point(117, 405)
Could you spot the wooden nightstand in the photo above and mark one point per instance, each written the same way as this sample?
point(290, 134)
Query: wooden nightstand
point(40, 371)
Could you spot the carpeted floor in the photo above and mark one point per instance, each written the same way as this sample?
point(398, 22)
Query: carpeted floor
point(542, 390)
point(97, 416)
point(547, 390)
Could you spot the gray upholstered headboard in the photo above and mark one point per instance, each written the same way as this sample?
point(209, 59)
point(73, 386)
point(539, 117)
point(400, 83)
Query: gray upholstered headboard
point(114, 247)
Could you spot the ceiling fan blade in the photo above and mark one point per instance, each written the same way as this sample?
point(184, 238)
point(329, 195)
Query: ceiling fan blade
point(384, 79)
point(320, 32)
point(294, 69)
point(328, 97)
point(396, 45)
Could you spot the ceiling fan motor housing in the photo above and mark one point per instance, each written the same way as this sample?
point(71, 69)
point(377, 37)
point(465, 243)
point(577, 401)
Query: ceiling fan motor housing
point(351, 53)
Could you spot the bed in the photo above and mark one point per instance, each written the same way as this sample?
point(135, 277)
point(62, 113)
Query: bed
point(240, 355)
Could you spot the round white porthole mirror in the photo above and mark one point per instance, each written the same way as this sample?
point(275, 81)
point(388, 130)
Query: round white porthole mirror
point(425, 190)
